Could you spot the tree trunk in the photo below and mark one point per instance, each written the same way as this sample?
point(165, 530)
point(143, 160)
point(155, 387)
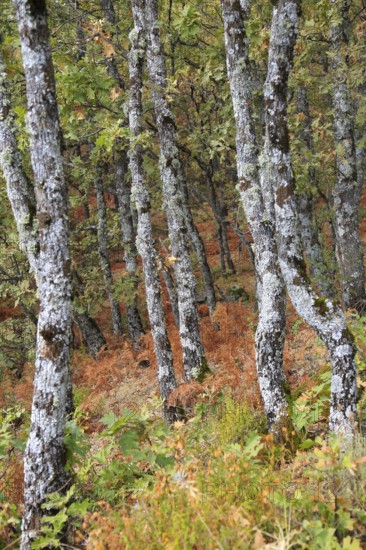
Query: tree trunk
point(325, 317)
point(313, 250)
point(194, 360)
point(45, 455)
point(103, 256)
point(90, 331)
point(225, 255)
point(169, 283)
point(23, 202)
point(198, 244)
point(270, 288)
point(346, 193)
point(110, 15)
point(145, 241)
point(123, 192)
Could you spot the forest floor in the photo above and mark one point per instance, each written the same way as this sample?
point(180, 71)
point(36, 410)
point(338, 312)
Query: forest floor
point(125, 378)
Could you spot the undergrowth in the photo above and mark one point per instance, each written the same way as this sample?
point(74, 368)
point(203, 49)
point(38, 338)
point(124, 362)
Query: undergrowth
point(217, 481)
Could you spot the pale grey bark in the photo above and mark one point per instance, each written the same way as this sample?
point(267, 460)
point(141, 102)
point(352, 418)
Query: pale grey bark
point(23, 202)
point(103, 256)
point(270, 288)
point(346, 192)
point(194, 361)
point(145, 241)
point(324, 316)
point(19, 188)
point(45, 455)
point(123, 193)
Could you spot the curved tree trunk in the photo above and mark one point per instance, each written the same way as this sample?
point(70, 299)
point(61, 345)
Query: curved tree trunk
point(44, 459)
point(123, 192)
point(270, 288)
point(194, 360)
point(145, 241)
point(103, 256)
point(346, 192)
point(322, 315)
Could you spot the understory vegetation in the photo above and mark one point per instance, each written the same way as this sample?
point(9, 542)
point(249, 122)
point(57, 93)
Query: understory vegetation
point(216, 480)
point(182, 274)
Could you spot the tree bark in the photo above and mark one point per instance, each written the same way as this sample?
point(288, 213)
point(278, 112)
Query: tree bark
point(314, 254)
point(225, 255)
point(270, 332)
point(197, 243)
point(45, 455)
point(324, 316)
point(123, 193)
point(194, 360)
point(346, 192)
point(145, 241)
point(169, 283)
point(23, 202)
point(103, 256)
point(90, 331)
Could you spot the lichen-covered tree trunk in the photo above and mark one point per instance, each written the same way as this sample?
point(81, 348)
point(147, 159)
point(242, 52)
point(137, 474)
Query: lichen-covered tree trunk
point(321, 314)
point(103, 256)
point(23, 202)
point(271, 294)
point(109, 14)
point(19, 188)
point(166, 271)
point(145, 241)
point(171, 171)
point(346, 192)
point(314, 254)
point(123, 193)
point(44, 459)
point(198, 244)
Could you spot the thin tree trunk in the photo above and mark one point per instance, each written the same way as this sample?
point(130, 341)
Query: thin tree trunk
point(313, 250)
point(270, 332)
point(145, 241)
point(325, 317)
point(103, 256)
point(123, 192)
point(23, 202)
point(90, 331)
point(225, 255)
point(194, 360)
point(198, 244)
point(346, 193)
point(44, 459)
point(110, 15)
point(170, 284)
